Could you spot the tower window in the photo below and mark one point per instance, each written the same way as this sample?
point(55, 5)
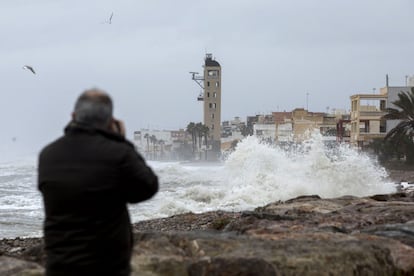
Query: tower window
point(212, 126)
point(212, 115)
point(212, 73)
point(217, 84)
point(208, 83)
point(215, 95)
point(208, 94)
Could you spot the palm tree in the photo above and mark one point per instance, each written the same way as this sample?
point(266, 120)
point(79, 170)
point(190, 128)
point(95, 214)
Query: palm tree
point(244, 130)
point(153, 140)
point(191, 129)
point(146, 136)
point(199, 133)
point(404, 113)
point(402, 134)
point(161, 143)
point(205, 131)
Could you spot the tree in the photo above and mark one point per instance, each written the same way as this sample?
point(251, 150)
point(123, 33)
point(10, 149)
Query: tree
point(153, 140)
point(205, 131)
point(199, 133)
point(161, 143)
point(402, 134)
point(147, 136)
point(244, 130)
point(385, 149)
point(191, 129)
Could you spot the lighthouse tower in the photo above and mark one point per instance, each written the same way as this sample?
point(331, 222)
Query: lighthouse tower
point(210, 82)
point(212, 100)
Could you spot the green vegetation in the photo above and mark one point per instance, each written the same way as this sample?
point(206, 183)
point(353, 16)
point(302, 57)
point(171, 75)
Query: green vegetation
point(198, 131)
point(399, 143)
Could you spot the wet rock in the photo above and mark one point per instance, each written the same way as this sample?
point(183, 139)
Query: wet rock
point(29, 249)
point(404, 232)
point(16, 267)
point(307, 235)
point(208, 253)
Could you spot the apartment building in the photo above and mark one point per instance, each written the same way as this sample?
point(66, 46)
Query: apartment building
point(294, 126)
point(367, 111)
point(283, 125)
point(367, 124)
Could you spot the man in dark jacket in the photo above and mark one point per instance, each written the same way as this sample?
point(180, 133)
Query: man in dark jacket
point(86, 178)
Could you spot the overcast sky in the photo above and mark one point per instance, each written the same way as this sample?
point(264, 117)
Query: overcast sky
point(272, 54)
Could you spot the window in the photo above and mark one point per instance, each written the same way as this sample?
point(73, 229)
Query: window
point(217, 84)
point(208, 94)
point(212, 115)
point(212, 126)
point(215, 94)
point(208, 83)
point(212, 73)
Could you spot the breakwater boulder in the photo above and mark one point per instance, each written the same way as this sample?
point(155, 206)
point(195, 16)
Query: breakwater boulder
point(307, 235)
point(302, 236)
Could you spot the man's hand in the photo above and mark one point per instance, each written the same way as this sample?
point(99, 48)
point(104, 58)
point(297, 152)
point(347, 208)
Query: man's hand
point(118, 126)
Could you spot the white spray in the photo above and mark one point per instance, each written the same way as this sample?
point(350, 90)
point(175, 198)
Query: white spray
point(256, 174)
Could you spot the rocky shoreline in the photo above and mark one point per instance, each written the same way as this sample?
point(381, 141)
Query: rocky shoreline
point(302, 236)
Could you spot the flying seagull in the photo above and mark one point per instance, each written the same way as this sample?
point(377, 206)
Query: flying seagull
point(29, 68)
point(109, 21)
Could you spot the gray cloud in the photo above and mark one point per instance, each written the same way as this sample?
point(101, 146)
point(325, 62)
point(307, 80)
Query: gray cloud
point(272, 54)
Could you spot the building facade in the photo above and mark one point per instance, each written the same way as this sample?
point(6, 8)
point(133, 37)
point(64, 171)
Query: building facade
point(367, 111)
point(367, 124)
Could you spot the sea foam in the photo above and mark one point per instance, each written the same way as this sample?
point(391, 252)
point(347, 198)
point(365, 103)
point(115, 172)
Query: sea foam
point(257, 173)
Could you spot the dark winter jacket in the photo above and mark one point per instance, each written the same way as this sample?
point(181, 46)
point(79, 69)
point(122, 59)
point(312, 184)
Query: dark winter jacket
point(86, 178)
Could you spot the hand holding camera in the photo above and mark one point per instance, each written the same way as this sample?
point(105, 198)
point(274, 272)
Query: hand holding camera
point(118, 126)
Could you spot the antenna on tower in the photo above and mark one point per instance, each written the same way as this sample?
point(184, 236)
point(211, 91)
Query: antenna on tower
point(194, 73)
point(199, 80)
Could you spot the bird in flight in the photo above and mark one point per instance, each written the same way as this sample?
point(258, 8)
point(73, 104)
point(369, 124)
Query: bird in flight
point(110, 18)
point(109, 21)
point(29, 68)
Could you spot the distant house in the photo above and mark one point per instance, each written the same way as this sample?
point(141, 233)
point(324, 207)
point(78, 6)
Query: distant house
point(367, 111)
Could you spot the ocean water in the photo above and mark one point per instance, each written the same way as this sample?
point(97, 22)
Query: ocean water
point(253, 175)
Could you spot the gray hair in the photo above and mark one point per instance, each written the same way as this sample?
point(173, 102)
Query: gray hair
point(94, 107)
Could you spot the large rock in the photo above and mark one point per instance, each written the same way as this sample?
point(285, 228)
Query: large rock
point(302, 236)
point(16, 267)
point(205, 253)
